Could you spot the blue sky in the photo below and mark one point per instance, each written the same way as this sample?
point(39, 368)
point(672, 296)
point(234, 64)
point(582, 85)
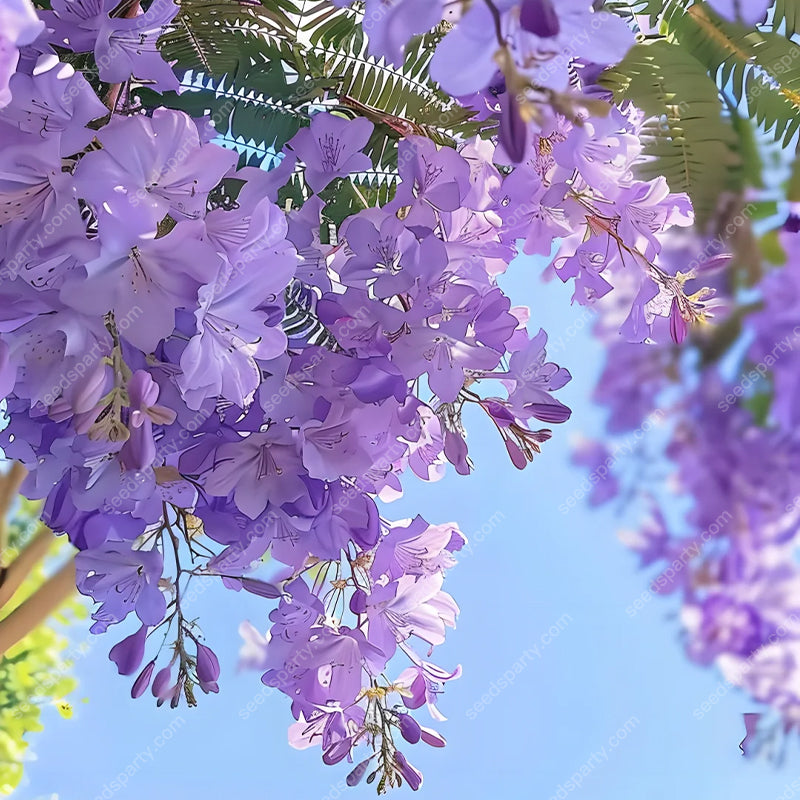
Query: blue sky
point(600, 699)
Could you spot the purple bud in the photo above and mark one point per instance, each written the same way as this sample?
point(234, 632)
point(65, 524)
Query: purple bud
point(714, 265)
point(431, 737)
point(261, 588)
point(792, 224)
point(92, 388)
point(207, 664)
point(515, 454)
point(677, 324)
point(128, 653)
point(498, 84)
point(751, 721)
point(143, 680)
point(410, 729)
point(554, 412)
point(413, 777)
point(356, 776)
point(455, 451)
point(358, 602)
point(513, 129)
point(176, 693)
point(161, 682)
point(540, 18)
point(499, 413)
point(336, 752)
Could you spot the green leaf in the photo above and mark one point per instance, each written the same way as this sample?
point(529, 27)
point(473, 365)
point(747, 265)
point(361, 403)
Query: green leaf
point(260, 70)
point(687, 139)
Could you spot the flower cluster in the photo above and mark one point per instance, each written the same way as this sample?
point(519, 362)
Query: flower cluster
point(195, 378)
point(731, 435)
point(200, 376)
point(521, 66)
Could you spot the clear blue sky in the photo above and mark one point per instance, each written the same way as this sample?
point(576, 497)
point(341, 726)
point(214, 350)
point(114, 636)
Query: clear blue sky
point(601, 670)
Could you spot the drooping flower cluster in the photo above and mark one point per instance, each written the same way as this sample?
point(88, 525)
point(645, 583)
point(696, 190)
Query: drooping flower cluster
point(197, 378)
point(525, 66)
point(732, 436)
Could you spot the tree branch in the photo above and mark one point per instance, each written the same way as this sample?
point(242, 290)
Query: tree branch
point(16, 572)
point(9, 487)
point(38, 607)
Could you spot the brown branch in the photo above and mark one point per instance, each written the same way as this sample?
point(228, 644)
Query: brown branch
point(34, 551)
point(9, 487)
point(38, 607)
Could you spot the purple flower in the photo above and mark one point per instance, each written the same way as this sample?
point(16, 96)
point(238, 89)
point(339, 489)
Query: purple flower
point(443, 354)
point(28, 171)
point(331, 148)
point(432, 180)
point(144, 285)
point(233, 329)
point(261, 468)
point(464, 61)
point(417, 549)
point(149, 167)
point(544, 38)
point(535, 380)
point(726, 626)
point(409, 607)
point(385, 255)
point(19, 25)
point(423, 682)
point(56, 103)
point(127, 47)
point(121, 580)
point(389, 27)
point(139, 451)
point(317, 671)
point(76, 23)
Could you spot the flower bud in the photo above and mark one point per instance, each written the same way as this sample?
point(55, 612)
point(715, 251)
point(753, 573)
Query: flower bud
point(128, 653)
point(143, 680)
point(409, 728)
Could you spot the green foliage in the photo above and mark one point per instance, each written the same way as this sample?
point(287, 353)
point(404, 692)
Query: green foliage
point(35, 672)
point(687, 138)
point(787, 16)
point(705, 145)
point(258, 70)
